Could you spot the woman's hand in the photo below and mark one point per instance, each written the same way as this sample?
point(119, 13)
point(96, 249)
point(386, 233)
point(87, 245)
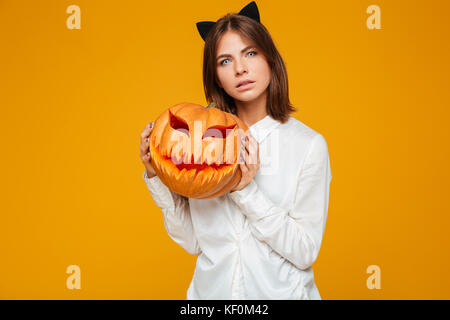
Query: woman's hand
point(250, 154)
point(145, 152)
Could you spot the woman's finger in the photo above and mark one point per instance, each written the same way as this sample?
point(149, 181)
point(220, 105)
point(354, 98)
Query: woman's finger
point(243, 144)
point(146, 132)
point(257, 151)
point(145, 138)
point(244, 169)
point(253, 163)
point(253, 151)
point(144, 147)
point(251, 166)
point(246, 150)
point(146, 160)
point(242, 153)
point(251, 169)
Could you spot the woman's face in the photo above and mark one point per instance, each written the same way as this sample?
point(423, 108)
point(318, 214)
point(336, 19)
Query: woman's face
point(237, 60)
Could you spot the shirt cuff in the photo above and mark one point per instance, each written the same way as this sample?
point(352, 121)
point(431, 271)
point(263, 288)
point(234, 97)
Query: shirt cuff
point(251, 201)
point(160, 192)
point(151, 181)
point(242, 195)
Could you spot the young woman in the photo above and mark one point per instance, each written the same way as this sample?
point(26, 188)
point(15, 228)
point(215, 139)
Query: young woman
point(260, 240)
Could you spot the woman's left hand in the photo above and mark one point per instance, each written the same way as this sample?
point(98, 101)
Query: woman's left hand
point(250, 165)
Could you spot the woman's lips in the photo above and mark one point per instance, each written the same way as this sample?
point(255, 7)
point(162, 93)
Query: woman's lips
point(246, 86)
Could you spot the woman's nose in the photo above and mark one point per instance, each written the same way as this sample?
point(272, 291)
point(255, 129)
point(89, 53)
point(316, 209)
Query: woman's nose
point(240, 66)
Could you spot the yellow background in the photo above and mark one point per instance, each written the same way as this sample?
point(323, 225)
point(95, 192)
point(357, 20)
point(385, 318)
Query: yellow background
point(74, 102)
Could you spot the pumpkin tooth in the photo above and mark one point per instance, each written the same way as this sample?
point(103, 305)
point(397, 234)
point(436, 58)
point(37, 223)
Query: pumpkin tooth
point(183, 176)
point(158, 164)
point(188, 177)
point(190, 181)
point(179, 175)
point(164, 169)
point(203, 179)
point(213, 188)
point(166, 173)
point(159, 158)
point(198, 179)
point(217, 176)
point(207, 176)
point(161, 152)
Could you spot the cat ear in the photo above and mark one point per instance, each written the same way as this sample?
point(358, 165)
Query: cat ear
point(204, 27)
point(251, 11)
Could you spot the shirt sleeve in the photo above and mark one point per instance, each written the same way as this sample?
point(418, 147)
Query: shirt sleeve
point(176, 214)
point(296, 234)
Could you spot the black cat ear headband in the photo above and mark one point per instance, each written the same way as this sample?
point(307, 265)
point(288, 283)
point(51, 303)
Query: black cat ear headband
point(250, 10)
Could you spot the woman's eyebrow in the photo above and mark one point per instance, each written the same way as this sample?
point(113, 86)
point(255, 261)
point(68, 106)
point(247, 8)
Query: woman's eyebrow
point(242, 51)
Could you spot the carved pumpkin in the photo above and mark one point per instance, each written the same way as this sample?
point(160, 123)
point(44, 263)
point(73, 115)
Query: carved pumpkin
point(195, 150)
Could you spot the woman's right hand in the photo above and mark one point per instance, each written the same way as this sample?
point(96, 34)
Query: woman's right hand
point(145, 152)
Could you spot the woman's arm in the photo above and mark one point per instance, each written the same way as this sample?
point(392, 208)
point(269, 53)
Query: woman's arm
point(297, 234)
point(176, 213)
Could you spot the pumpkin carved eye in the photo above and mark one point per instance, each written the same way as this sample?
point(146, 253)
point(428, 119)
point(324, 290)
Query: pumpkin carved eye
point(178, 124)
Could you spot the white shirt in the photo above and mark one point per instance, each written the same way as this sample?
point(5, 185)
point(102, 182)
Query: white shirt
point(259, 242)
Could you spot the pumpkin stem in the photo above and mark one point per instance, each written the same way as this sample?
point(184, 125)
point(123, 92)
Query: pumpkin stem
point(211, 105)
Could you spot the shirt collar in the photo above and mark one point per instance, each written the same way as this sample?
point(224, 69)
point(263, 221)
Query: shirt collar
point(260, 129)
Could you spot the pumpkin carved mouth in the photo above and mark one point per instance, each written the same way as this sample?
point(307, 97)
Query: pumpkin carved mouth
point(196, 166)
point(194, 150)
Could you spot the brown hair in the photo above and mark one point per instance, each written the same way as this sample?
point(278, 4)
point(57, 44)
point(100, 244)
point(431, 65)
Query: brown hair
point(278, 104)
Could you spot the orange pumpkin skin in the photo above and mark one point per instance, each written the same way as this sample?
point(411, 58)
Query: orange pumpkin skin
point(194, 150)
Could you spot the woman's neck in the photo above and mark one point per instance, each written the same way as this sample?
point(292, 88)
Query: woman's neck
point(253, 111)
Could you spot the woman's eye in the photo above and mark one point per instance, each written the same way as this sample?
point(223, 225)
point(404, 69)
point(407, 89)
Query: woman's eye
point(223, 61)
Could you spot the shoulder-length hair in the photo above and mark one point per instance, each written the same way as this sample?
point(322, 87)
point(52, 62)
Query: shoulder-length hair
point(278, 104)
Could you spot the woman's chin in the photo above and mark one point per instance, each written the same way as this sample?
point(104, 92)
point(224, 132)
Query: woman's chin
point(245, 97)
